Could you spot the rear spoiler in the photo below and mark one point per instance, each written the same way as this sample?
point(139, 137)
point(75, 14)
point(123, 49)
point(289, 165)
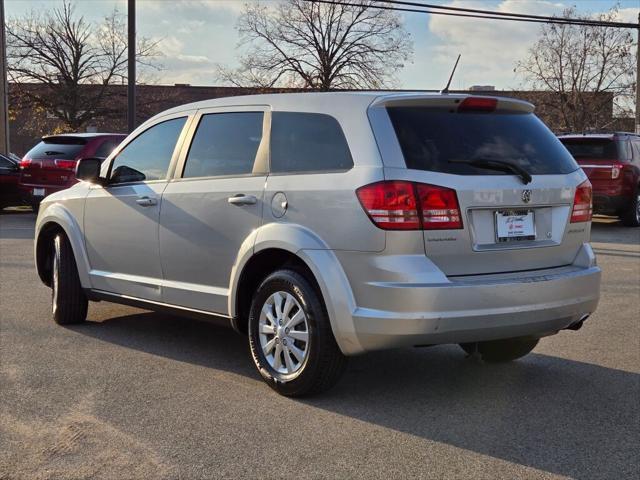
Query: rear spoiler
point(64, 140)
point(452, 101)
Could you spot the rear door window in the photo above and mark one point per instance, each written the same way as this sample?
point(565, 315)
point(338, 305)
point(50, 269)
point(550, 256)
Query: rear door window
point(6, 164)
point(224, 144)
point(437, 140)
point(635, 145)
point(307, 142)
point(63, 148)
point(624, 150)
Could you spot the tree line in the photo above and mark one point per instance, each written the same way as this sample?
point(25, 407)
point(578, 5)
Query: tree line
point(305, 45)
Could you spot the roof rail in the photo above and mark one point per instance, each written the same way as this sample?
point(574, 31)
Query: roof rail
point(599, 132)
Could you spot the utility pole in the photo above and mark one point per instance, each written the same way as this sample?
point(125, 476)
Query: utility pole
point(131, 62)
point(638, 78)
point(4, 103)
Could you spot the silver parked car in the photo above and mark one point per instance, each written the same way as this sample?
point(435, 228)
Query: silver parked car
point(325, 225)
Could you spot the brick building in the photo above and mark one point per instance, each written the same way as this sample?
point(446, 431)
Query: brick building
point(27, 125)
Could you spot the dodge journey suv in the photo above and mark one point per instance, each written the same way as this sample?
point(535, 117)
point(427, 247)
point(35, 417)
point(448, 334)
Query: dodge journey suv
point(325, 225)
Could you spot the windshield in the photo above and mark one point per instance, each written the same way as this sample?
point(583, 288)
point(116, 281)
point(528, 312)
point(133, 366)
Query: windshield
point(441, 141)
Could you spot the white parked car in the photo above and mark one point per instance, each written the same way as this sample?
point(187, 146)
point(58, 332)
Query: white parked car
point(325, 225)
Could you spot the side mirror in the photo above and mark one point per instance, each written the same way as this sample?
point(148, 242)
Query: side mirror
point(88, 169)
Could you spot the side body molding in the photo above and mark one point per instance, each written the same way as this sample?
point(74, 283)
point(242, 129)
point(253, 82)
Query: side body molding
point(322, 262)
point(60, 215)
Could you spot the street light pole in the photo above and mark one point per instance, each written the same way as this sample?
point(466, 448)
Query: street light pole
point(4, 104)
point(131, 69)
point(638, 78)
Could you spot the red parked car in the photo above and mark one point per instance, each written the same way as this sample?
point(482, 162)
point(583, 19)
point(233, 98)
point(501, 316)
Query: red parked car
point(612, 163)
point(50, 165)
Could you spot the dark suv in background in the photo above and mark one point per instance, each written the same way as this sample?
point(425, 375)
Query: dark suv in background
point(50, 165)
point(612, 163)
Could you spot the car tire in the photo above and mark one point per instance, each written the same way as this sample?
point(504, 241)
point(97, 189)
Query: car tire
point(68, 302)
point(498, 351)
point(631, 218)
point(286, 309)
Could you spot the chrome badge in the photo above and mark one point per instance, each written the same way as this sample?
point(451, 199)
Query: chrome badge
point(526, 196)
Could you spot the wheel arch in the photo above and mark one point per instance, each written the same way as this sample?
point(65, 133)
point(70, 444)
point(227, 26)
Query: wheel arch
point(279, 245)
point(56, 220)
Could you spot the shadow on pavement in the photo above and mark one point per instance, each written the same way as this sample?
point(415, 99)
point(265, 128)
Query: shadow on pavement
point(17, 224)
point(611, 230)
point(12, 233)
point(557, 415)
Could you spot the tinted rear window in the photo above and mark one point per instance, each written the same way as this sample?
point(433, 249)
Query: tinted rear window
point(600, 148)
point(57, 150)
point(431, 139)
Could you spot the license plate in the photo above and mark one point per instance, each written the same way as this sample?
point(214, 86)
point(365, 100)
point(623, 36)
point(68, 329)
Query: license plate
point(515, 225)
point(38, 192)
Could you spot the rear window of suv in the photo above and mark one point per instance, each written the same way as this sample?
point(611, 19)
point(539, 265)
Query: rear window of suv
point(592, 148)
point(438, 140)
point(59, 148)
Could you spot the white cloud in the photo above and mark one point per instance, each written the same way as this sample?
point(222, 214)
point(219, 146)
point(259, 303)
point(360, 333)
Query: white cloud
point(628, 15)
point(490, 48)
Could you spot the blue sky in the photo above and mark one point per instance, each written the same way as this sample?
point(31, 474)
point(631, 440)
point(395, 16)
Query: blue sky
point(196, 35)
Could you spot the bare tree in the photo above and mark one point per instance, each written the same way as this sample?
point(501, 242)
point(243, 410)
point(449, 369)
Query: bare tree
point(72, 61)
point(303, 44)
point(581, 64)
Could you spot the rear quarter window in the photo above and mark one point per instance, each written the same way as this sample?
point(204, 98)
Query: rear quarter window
point(433, 139)
point(307, 142)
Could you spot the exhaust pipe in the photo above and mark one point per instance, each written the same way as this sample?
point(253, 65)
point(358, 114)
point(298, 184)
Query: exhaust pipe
point(578, 325)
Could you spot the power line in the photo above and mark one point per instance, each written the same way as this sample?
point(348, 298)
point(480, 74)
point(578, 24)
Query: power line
point(491, 16)
point(512, 15)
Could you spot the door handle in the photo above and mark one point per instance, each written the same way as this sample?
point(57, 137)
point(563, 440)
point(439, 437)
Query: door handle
point(242, 199)
point(146, 201)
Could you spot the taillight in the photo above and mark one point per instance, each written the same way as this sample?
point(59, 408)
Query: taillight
point(615, 171)
point(391, 205)
point(25, 163)
point(582, 203)
point(440, 209)
point(478, 104)
point(402, 205)
point(65, 164)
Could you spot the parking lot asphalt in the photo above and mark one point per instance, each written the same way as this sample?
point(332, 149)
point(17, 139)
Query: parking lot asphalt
point(140, 395)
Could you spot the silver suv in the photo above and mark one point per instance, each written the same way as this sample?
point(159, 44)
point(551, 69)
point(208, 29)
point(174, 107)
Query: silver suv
point(324, 225)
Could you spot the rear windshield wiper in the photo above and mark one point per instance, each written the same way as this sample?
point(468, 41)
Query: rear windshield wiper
point(53, 152)
point(501, 165)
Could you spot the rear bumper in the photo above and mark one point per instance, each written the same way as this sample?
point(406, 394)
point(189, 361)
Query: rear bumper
point(611, 204)
point(26, 191)
point(479, 308)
